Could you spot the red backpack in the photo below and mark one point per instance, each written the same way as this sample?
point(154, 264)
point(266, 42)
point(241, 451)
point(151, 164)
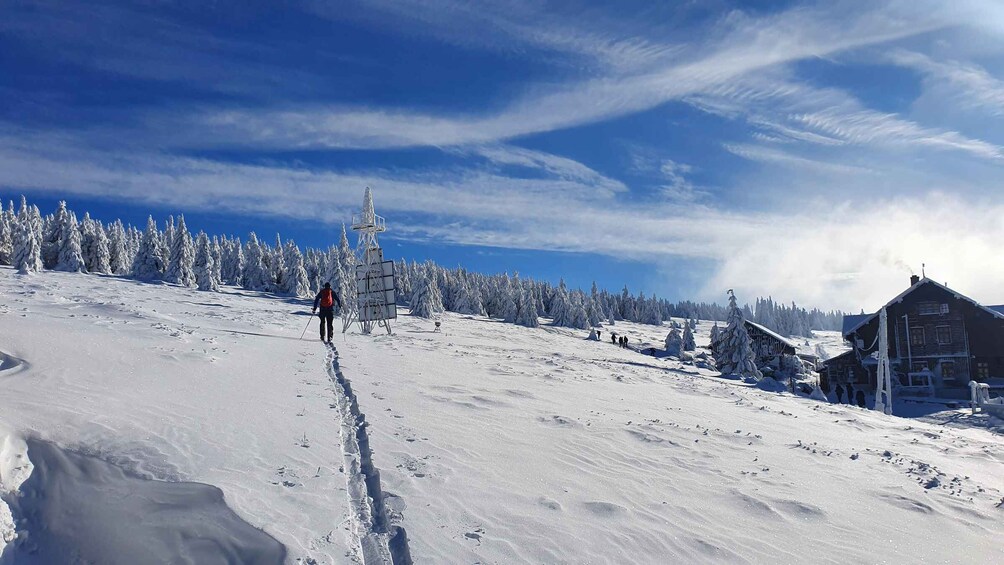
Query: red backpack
point(327, 298)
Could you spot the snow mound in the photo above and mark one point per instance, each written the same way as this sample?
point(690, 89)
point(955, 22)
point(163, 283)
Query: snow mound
point(77, 508)
point(770, 384)
point(15, 468)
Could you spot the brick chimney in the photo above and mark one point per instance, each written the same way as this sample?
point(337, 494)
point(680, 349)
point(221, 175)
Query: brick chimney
point(914, 279)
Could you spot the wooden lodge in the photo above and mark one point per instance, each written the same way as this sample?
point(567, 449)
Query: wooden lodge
point(768, 346)
point(938, 341)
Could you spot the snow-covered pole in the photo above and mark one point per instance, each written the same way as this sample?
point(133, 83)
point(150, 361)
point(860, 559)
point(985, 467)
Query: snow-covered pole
point(883, 391)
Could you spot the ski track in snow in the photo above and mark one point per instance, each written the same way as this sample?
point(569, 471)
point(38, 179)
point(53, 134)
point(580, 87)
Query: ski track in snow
point(373, 538)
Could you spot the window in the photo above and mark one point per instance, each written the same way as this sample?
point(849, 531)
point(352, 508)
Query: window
point(928, 308)
point(916, 335)
point(944, 308)
point(943, 334)
point(919, 366)
point(982, 371)
point(850, 375)
point(948, 370)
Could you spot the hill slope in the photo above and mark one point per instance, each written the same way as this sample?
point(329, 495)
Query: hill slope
point(494, 443)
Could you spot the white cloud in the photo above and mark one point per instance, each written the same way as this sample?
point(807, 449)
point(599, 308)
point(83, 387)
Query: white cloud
point(956, 83)
point(832, 252)
point(739, 46)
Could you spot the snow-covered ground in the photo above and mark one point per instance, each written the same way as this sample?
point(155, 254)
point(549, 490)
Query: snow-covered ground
point(494, 443)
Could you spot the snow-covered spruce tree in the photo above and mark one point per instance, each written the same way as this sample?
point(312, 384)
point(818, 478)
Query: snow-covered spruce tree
point(149, 262)
point(560, 309)
point(674, 343)
point(254, 276)
point(233, 267)
point(735, 350)
point(423, 301)
point(27, 256)
point(347, 256)
point(217, 251)
point(577, 311)
point(119, 262)
point(204, 264)
point(295, 281)
point(527, 309)
point(70, 257)
point(507, 300)
point(469, 300)
point(180, 266)
point(688, 338)
point(7, 227)
point(53, 231)
point(277, 267)
point(312, 259)
point(94, 246)
point(167, 241)
point(716, 334)
point(652, 315)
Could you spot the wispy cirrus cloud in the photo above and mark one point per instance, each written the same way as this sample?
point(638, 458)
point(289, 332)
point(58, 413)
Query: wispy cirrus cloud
point(962, 84)
point(740, 45)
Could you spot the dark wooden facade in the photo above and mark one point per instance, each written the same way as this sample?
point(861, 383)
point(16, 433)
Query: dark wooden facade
point(936, 337)
point(768, 346)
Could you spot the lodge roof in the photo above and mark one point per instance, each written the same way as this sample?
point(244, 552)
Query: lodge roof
point(771, 334)
point(856, 321)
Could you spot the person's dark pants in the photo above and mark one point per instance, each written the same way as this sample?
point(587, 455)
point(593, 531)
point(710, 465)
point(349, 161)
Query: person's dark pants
point(327, 318)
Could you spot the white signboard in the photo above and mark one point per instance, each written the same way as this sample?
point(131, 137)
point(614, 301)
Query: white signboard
point(375, 292)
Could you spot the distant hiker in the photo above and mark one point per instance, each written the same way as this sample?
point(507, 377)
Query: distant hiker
point(613, 338)
point(598, 332)
point(327, 300)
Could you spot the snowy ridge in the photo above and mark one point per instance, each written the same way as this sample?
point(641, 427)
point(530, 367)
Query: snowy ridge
point(374, 540)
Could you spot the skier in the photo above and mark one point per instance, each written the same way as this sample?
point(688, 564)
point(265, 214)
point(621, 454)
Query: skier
point(327, 300)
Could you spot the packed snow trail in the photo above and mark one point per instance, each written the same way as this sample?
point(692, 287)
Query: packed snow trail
point(370, 535)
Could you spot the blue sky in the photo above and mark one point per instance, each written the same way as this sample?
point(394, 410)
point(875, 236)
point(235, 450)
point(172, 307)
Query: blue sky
point(817, 152)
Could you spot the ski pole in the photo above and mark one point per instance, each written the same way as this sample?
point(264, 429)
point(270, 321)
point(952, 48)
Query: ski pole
point(307, 326)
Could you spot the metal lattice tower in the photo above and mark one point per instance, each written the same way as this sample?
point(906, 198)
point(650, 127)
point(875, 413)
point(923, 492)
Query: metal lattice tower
point(374, 285)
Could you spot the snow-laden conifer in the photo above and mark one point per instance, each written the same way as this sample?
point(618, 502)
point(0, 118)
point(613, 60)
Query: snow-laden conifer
point(423, 300)
point(94, 246)
point(294, 277)
point(688, 338)
point(255, 276)
point(7, 227)
point(119, 260)
point(149, 262)
point(735, 349)
point(469, 300)
point(27, 255)
point(527, 309)
point(70, 257)
point(204, 264)
point(217, 251)
point(182, 256)
point(54, 229)
point(674, 343)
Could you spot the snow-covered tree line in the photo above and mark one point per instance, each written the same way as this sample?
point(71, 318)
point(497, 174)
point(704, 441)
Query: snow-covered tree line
point(502, 296)
point(31, 242)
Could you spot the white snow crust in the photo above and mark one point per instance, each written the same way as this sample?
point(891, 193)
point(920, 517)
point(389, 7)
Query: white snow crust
point(495, 443)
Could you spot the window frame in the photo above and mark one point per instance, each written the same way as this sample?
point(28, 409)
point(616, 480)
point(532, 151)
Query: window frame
point(917, 336)
point(937, 334)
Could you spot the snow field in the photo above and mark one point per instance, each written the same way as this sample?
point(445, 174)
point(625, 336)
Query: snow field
point(182, 385)
point(494, 443)
point(512, 445)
